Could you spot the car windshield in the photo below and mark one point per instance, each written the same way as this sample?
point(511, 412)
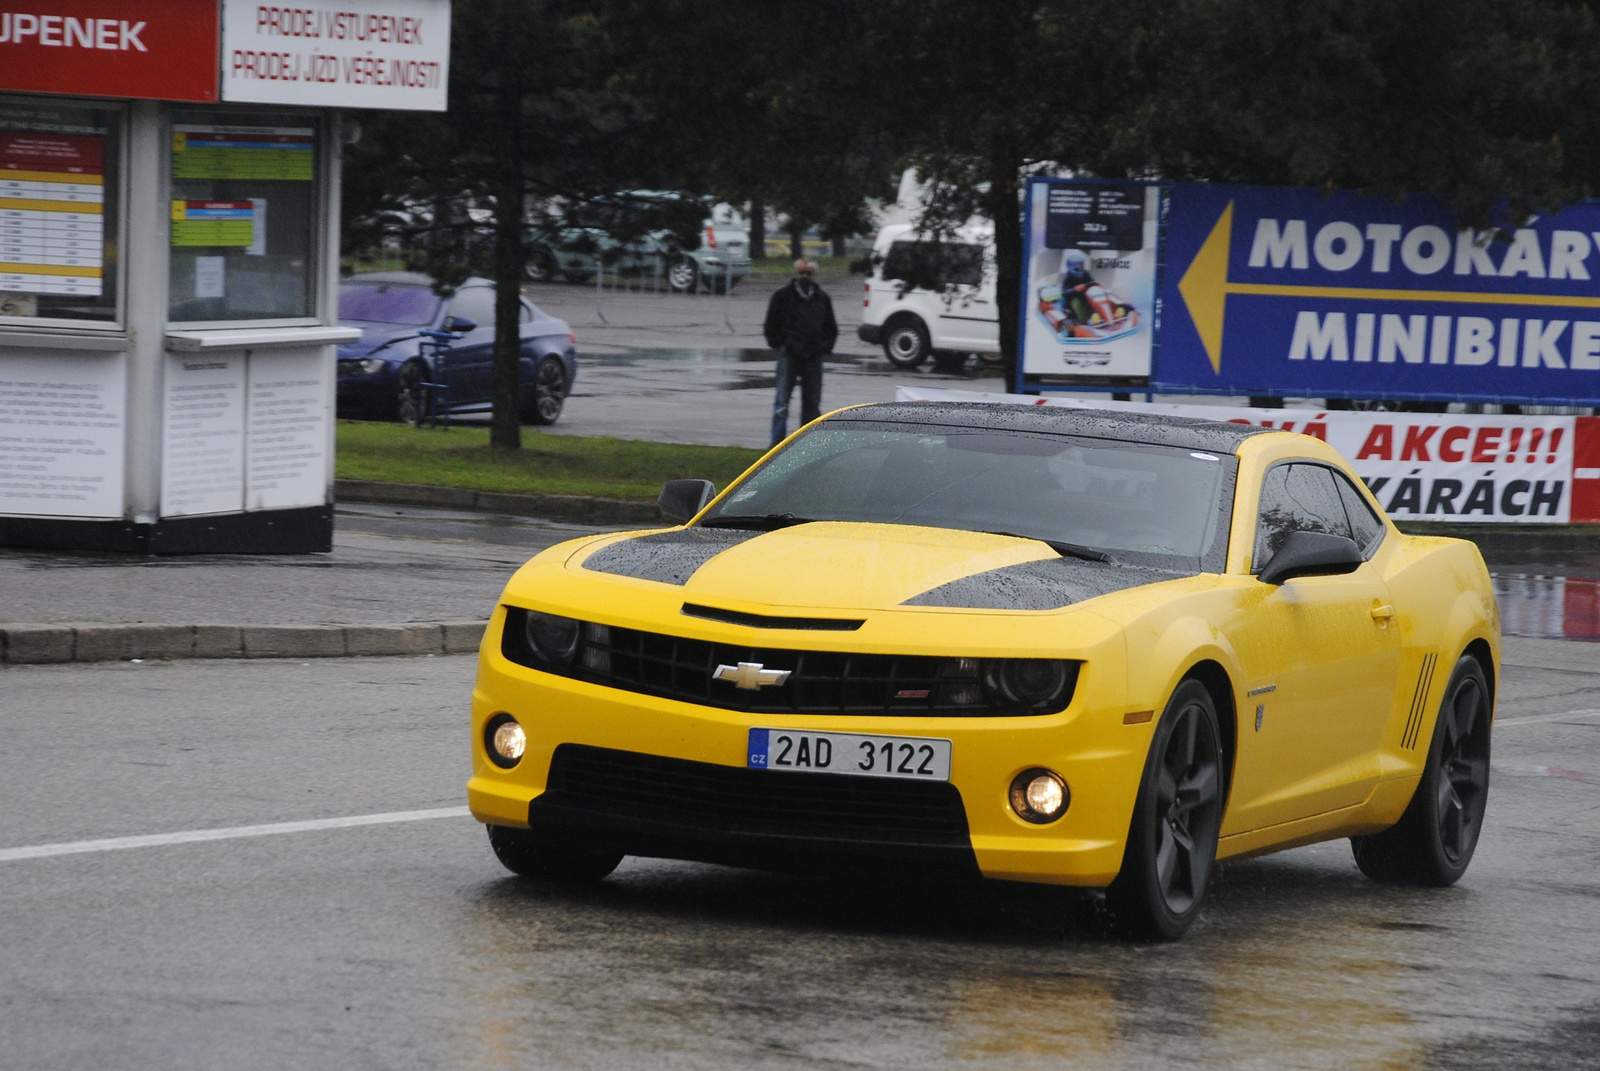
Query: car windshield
point(388, 303)
point(1156, 505)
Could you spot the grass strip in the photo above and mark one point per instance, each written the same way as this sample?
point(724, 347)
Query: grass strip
point(546, 464)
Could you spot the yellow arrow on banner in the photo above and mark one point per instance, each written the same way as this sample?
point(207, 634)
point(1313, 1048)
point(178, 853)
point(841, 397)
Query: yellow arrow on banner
point(1205, 288)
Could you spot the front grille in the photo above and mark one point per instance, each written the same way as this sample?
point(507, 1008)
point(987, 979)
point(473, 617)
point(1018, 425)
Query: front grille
point(732, 801)
point(820, 682)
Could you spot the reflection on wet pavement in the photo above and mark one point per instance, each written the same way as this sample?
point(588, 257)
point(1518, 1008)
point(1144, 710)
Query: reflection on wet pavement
point(1548, 607)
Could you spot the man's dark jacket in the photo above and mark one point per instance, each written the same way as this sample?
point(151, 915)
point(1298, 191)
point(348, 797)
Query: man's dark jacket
point(801, 326)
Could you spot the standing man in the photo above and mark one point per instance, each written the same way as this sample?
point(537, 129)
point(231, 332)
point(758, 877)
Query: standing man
point(801, 328)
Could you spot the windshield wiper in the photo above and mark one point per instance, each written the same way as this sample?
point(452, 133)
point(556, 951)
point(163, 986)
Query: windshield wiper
point(766, 522)
point(1066, 550)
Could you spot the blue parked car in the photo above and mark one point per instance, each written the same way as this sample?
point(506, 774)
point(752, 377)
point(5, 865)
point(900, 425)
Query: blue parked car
point(380, 373)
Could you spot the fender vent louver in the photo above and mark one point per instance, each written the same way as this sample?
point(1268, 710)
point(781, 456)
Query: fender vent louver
point(1419, 702)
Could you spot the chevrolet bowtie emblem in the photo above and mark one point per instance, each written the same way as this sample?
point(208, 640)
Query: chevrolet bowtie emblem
point(750, 675)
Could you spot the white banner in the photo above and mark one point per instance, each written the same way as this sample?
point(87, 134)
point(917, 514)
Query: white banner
point(392, 54)
point(1420, 466)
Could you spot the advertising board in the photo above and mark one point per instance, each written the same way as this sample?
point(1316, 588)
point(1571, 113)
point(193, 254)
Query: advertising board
point(1290, 292)
point(142, 49)
point(1420, 466)
point(1089, 281)
point(391, 54)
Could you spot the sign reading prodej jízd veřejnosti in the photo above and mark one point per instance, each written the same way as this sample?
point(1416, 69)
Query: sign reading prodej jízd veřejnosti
point(369, 54)
point(1420, 466)
point(1287, 291)
point(1089, 280)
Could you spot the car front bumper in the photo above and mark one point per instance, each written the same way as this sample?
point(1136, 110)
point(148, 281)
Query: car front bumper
point(652, 744)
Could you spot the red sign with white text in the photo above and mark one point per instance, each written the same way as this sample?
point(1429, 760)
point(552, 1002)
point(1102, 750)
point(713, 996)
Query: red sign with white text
point(140, 49)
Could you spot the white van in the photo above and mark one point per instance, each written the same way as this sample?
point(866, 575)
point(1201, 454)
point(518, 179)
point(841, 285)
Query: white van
point(929, 298)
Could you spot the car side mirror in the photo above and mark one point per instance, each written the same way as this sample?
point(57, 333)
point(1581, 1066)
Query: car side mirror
point(682, 499)
point(458, 325)
point(1311, 554)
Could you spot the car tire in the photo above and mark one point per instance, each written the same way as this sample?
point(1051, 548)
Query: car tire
point(1177, 817)
point(683, 276)
point(408, 393)
point(523, 853)
point(549, 393)
point(540, 266)
point(1433, 842)
point(949, 362)
point(906, 342)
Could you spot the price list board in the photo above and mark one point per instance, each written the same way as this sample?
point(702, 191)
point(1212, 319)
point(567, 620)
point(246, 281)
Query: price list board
point(239, 152)
point(52, 213)
point(213, 223)
point(1085, 216)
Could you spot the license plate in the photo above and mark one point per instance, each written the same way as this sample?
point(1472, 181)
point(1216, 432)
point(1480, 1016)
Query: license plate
point(796, 751)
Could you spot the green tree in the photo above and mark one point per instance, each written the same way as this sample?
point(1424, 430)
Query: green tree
point(532, 118)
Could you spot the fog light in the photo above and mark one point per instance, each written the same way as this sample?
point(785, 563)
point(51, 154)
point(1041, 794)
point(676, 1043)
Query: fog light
point(506, 740)
point(1039, 795)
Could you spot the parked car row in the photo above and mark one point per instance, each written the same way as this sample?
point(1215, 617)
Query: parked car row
point(380, 376)
point(574, 246)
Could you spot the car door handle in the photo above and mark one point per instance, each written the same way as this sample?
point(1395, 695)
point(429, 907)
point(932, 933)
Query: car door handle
point(1382, 612)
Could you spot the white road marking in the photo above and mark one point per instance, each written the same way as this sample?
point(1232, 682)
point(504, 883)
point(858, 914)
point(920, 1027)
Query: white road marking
point(1498, 722)
point(194, 836)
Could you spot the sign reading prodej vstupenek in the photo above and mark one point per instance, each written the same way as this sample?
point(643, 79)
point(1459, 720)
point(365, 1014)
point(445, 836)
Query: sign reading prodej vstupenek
point(1287, 291)
point(338, 53)
point(1420, 466)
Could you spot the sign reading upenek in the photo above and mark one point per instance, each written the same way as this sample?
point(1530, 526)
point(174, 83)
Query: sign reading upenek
point(391, 54)
point(143, 49)
point(1287, 291)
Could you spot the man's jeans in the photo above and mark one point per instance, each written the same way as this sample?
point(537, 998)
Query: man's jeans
point(808, 371)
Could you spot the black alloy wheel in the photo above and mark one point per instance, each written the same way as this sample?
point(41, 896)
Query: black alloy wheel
point(522, 852)
point(549, 392)
point(906, 342)
point(1433, 842)
point(408, 393)
point(1172, 840)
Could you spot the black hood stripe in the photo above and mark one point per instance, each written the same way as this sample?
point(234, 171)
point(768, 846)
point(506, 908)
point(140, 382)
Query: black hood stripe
point(1040, 585)
point(666, 557)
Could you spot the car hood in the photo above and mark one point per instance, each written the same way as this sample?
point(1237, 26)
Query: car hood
point(836, 565)
point(373, 337)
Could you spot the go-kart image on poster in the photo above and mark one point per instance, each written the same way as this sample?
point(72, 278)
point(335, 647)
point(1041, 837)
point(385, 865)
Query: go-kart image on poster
point(1089, 281)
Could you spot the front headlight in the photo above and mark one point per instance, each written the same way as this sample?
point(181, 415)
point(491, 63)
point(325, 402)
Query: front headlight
point(363, 366)
point(1026, 683)
point(551, 638)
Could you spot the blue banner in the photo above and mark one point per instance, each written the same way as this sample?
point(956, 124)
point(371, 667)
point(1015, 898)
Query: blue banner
point(1277, 291)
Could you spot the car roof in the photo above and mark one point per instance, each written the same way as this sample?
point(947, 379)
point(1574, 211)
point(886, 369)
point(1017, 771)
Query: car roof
point(1157, 428)
point(407, 278)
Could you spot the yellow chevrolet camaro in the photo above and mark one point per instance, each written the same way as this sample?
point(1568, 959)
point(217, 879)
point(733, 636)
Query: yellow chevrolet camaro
point(1028, 643)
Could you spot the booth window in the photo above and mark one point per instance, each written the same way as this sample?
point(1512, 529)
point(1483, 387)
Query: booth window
point(60, 211)
point(243, 201)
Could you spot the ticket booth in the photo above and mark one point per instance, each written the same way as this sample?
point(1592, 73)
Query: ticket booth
point(169, 261)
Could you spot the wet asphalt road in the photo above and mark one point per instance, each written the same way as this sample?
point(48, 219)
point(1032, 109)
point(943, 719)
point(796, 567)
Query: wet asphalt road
point(403, 945)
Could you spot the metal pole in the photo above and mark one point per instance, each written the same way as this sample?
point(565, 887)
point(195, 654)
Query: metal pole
point(599, 281)
point(727, 294)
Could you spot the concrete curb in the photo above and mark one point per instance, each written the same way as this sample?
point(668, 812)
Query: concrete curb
point(41, 644)
point(580, 509)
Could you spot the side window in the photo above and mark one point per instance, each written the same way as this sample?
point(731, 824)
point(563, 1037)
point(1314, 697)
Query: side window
point(1297, 498)
point(1365, 527)
point(475, 303)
